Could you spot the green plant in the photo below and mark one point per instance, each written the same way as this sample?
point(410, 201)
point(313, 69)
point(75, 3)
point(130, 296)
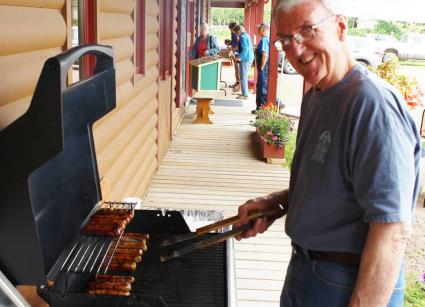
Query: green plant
point(290, 149)
point(414, 294)
point(275, 128)
point(408, 87)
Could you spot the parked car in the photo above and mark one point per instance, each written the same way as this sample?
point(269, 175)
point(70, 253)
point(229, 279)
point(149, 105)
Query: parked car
point(363, 50)
point(411, 46)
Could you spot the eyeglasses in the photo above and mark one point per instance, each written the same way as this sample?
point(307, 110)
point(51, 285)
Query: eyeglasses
point(304, 35)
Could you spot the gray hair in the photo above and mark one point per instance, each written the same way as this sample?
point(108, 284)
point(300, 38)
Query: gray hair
point(238, 28)
point(333, 6)
point(205, 25)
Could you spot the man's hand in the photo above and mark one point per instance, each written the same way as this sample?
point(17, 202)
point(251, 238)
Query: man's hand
point(278, 200)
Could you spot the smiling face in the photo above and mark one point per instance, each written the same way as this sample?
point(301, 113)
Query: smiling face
point(324, 60)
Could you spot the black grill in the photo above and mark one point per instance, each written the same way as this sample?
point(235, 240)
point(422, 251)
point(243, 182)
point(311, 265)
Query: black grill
point(50, 187)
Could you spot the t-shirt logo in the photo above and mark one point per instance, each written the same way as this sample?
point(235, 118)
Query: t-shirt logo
point(322, 148)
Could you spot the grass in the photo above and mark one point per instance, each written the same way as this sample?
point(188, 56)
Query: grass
point(414, 294)
point(413, 63)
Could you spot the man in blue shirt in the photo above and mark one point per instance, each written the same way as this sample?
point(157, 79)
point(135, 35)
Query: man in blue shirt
point(262, 63)
point(355, 172)
point(234, 45)
point(245, 58)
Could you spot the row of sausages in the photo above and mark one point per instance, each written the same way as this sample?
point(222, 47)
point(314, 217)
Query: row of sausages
point(124, 255)
point(108, 222)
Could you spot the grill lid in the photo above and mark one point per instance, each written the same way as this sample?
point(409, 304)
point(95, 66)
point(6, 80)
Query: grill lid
point(49, 181)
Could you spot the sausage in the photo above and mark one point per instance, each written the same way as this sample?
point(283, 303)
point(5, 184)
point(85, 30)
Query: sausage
point(105, 285)
point(106, 222)
point(126, 251)
point(133, 245)
point(109, 230)
point(113, 212)
point(108, 292)
point(137, 235)
point(124, 238)
point(126, 257)
point(122, 266)
point(115, 278)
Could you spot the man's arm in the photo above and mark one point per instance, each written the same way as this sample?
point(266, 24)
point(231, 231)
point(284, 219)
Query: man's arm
point(264, 57)
point(380, 264)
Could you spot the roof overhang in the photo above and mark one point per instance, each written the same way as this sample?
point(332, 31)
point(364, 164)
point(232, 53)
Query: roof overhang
point(228, 3)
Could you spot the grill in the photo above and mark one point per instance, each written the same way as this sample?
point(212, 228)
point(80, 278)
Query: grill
point(51, 189)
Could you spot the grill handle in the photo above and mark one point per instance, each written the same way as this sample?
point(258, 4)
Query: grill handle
point(104, 57)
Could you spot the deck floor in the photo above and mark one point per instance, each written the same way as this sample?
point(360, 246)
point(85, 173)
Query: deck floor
point(218, 167)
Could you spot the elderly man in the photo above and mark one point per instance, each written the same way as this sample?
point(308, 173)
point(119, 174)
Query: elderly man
point(262, 64)
point(354, 176)
point(205, 44)
point(245, 58)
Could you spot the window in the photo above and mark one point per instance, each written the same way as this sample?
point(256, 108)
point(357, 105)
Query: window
point(140, 37)
point(166, 41)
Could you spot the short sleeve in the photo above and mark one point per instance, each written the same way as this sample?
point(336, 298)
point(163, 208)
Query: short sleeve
point(383, 154)
point(265, 46)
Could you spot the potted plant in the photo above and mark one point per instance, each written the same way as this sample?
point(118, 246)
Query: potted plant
point(273, 130)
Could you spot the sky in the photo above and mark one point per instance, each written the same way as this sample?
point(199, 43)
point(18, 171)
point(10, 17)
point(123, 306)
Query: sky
point(394, 10)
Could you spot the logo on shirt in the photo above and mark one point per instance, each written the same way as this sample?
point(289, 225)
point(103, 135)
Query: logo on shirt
point(322, 148)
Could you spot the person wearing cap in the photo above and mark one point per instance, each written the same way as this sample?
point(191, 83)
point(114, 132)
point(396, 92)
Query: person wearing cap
point(245, 58)
point(355, 173)
point(262, 64)
point(205, 44)
point(234, 44)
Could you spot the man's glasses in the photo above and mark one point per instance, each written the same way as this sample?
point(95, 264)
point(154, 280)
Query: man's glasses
point(304, 35)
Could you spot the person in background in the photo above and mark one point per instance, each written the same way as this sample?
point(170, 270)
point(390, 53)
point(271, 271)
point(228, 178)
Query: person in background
point(262, 64)
point(205, 44)
point(355, 172)
point(234, 44)
point(245, 58)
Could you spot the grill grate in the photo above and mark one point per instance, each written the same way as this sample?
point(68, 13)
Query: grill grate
point(195, 279)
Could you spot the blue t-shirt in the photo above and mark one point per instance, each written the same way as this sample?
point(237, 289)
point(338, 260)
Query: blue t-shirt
point(356, 161)
point(263, 47)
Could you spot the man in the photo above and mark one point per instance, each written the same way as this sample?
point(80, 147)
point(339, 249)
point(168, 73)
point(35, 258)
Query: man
point(262, 61)
point(234, 44)
point(205, 44)
point(354, 176)
point(245, 58)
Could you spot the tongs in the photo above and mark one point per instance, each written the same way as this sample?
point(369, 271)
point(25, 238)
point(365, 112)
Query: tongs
point(274, 212)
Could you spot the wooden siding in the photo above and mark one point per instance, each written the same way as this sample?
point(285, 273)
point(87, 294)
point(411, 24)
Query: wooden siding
point(216, 167)
point(126, 138)
point(32, 31)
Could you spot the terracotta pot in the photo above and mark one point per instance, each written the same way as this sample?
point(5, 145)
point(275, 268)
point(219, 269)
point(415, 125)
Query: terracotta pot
point(270, 150)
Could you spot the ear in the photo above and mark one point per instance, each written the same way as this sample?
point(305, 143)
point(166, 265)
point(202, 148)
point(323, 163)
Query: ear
point(342, 26)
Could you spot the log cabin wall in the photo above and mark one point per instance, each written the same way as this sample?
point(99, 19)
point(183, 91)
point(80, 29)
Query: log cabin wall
point(126, 139)
point(31, 32)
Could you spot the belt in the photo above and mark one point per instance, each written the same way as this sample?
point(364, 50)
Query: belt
point(339, 257)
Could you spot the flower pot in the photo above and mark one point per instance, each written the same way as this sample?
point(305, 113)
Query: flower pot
point(270, 150)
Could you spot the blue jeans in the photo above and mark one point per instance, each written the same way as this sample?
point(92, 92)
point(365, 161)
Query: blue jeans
point(243, 75)
point(312, 283)
point(262, 80)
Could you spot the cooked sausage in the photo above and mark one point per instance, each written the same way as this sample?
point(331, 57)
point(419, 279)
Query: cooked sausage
point(108, 292)
point(115, 278)
point(105, 285)
point(126, 257)
point(122, 266)
point(137, 235)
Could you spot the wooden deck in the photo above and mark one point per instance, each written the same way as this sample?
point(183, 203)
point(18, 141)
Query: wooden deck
point(217, 167)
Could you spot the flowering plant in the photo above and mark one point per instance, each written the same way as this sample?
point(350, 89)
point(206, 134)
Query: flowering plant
point(275, 127)
point(408, 87)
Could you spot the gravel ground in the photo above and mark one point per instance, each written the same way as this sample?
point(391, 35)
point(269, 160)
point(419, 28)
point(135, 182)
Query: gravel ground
point(415, 253)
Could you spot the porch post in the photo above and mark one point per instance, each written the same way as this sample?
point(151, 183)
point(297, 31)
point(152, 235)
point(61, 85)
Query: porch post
point(273, 59)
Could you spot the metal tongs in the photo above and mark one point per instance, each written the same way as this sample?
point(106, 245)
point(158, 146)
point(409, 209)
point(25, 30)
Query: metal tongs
point(274, 212)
